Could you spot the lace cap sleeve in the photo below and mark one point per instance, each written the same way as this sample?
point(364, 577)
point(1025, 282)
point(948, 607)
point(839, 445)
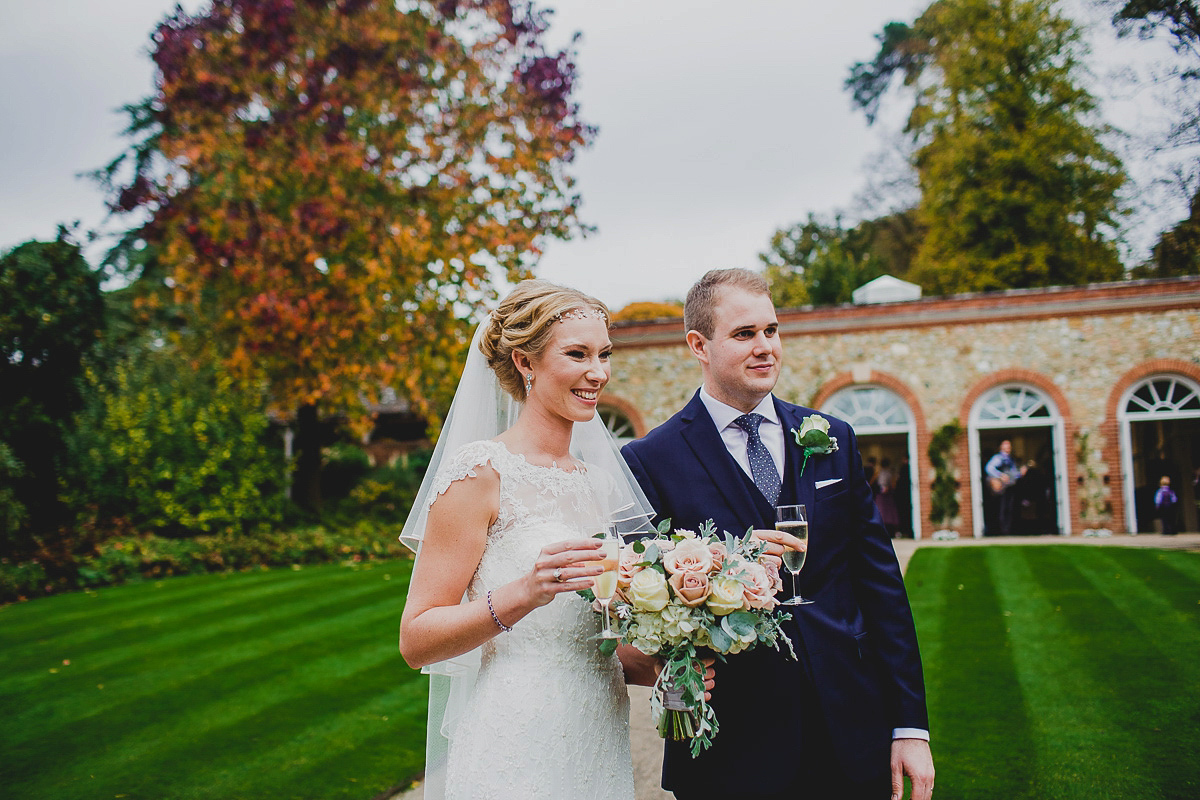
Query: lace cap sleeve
point(462, 465)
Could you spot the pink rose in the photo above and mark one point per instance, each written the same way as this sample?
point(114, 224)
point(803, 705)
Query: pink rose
point(718, 555)
point(689, 555)
point(628, 567)
point(760, 592)
point(773, 573)
point(690, 587)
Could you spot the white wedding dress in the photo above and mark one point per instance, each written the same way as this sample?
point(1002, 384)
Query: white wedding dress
point(548, 716)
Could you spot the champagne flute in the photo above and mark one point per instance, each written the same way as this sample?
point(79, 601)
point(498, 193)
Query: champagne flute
point(605, 585)
point(792, 519)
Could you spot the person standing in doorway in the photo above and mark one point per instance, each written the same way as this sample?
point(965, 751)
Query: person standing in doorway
point(1166, 505)
point(1002, 475)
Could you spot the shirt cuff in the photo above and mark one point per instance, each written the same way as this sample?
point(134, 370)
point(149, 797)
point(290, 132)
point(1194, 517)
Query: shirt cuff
point(910, 733)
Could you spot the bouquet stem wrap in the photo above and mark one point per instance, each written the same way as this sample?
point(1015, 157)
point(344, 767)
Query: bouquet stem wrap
point(678, 704)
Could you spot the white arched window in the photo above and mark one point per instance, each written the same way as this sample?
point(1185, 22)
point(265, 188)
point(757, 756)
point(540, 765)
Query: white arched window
point(870, 409)
point(877, 411)
point(1014, 406)
point(1008, 405)
point(1157, 398)
point(1166, 395)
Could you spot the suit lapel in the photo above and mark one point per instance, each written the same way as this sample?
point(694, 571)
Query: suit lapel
point(701, 435)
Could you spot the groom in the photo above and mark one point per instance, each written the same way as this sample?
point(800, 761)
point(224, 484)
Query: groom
point(848, 718)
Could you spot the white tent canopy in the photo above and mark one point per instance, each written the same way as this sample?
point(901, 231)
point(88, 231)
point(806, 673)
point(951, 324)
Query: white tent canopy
point(886, 289)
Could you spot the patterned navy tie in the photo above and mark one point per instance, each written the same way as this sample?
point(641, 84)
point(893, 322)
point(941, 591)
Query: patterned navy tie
point(762, 466)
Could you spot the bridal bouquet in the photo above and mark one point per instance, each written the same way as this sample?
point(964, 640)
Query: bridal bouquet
point(684, 595)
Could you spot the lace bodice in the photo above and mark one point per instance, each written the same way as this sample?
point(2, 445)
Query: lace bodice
point(549, 716)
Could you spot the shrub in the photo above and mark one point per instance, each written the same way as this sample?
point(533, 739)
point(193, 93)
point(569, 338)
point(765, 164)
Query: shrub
point(944, 490)
point(12, 510)
point(146, 556)
point(178, 449)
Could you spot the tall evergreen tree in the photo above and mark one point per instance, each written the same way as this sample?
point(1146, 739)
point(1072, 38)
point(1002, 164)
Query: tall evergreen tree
point(1017, 188)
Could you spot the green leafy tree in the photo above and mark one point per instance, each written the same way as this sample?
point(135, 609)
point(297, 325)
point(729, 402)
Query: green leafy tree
point(1178, 249)
point(334, 187)
point(822, 263)
point(1017, 189)
point(51, 319)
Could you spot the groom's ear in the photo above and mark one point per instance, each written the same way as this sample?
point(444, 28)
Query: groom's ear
point(698, 344)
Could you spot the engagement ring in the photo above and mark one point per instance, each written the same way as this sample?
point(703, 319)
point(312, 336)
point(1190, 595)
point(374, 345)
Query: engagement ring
point(558, 574)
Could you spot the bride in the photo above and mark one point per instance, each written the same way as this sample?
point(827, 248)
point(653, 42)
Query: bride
point(521, 703)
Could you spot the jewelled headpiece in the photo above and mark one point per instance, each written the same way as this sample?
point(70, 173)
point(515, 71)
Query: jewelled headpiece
point(583, 312)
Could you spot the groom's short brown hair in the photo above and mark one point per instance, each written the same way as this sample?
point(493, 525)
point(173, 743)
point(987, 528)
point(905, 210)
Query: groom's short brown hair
point(702, 298)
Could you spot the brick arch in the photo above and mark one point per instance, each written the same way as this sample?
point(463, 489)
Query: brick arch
point(1110, 428)
point(922, 466)
point(1044, 384)
point(630, 411)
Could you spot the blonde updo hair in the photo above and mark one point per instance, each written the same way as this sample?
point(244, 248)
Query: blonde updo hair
point(525, 321)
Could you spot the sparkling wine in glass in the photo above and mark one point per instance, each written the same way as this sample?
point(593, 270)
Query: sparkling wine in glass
point(792, 519)
point(605, 585)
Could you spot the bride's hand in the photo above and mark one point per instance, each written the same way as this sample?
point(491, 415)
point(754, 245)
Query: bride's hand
point(564, 567)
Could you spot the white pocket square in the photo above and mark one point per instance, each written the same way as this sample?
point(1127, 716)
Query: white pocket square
point(830, 482)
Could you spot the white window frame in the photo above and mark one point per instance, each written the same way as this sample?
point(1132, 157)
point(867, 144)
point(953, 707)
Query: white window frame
point(1020, 418)
point(866, 424)
point(1162, 410)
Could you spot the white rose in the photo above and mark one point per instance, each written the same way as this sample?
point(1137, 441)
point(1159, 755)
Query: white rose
point(648, 590)
point(814, 422)
point(727, 595)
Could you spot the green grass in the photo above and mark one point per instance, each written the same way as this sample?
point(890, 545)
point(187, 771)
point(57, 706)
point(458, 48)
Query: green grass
point(279, 684)
point(1054, 673)
point(1061, 672)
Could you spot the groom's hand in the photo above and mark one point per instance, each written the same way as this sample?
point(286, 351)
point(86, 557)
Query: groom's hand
point(776, 542)
point(912, 757)
point(640, 669)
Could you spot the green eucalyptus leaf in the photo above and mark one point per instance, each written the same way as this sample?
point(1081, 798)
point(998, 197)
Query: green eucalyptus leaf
point(720, 639)
point(742, 622)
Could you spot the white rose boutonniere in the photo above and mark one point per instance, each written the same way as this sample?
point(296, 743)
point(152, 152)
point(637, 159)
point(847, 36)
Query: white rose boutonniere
point(814, 437)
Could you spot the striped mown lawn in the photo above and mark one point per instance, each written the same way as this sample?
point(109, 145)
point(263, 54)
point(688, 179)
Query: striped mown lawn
point(1061, 672)
point(280, 684)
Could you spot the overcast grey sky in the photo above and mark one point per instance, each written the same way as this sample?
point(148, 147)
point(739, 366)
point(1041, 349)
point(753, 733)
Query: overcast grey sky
point(718, 123)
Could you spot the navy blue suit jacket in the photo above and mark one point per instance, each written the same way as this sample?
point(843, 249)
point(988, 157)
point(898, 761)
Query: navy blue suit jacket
point(859, 670)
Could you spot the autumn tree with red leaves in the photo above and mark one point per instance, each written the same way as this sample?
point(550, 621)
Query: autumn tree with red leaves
point(333, 187)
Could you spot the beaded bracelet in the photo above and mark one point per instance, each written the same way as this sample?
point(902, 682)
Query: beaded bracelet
point(499, 624)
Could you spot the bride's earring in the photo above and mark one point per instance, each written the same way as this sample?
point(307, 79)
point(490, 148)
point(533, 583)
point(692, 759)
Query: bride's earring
point(529, 383)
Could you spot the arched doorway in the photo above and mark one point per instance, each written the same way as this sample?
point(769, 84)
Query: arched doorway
point(1159, 421)
point(886, 431)
point(1037, 503)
